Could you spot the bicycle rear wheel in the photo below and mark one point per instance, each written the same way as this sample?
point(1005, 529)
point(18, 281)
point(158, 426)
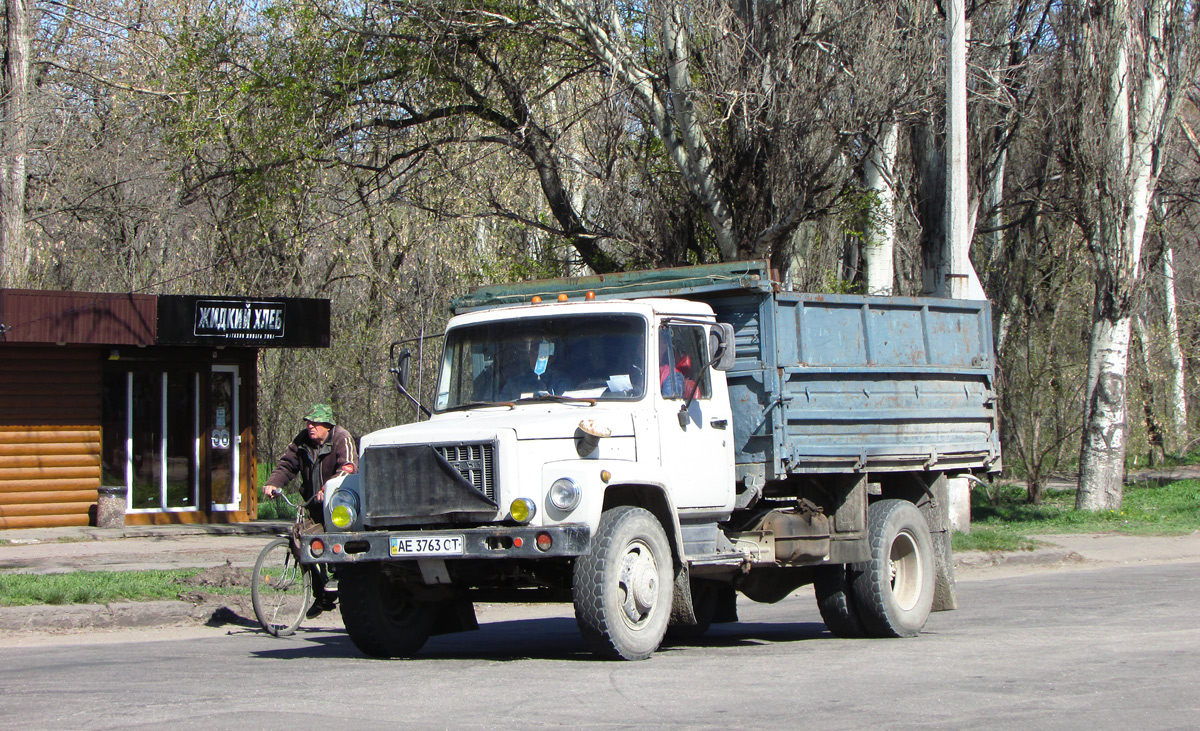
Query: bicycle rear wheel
point(281, 589)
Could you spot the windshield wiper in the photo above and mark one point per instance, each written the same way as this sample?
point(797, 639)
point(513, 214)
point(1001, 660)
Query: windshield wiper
point(476, 405)
point(557, 399)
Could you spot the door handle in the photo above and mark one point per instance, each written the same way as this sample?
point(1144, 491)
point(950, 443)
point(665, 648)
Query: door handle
point(718, 423)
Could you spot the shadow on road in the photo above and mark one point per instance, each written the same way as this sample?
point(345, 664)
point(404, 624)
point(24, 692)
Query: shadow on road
point(533, 639)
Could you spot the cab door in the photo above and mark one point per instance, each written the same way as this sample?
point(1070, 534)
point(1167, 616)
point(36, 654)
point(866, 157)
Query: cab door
point(695, 425)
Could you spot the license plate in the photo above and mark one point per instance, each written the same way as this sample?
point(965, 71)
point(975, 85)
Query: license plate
point(426, 545)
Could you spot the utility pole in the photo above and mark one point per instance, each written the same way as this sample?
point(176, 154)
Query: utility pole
point(958, 231)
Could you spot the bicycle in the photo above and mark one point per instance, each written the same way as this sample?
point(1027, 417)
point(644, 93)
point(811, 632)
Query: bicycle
point(281, 588)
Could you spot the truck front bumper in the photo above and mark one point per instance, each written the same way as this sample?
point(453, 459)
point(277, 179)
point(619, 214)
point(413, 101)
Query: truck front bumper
point(469, 543)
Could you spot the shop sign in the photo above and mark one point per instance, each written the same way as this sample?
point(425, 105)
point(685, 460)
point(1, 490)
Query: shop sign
point(239, 321)
point(261, 322)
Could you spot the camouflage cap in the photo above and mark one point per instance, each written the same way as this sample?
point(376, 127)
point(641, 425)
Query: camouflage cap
point(320, 414)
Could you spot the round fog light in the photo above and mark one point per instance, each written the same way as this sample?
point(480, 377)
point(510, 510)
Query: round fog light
point(522, 510)
point(342, 516)
point(565, 494)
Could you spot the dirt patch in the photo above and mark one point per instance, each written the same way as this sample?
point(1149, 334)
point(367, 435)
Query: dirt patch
point(223, 577)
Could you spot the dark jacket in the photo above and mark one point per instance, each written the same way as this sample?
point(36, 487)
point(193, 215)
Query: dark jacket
point(314, 464)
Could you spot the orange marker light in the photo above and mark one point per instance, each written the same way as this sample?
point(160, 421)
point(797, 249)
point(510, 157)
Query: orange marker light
point(536, 300)
point(518, 542)
point(590, 296)
point(562, 298)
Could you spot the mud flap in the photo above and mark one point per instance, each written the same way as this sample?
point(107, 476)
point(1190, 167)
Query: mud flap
point(937, 514)
point(455, 615)
point(683, 611)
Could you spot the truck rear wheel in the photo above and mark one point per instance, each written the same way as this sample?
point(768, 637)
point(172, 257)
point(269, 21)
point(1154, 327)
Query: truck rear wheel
point(381, 616)
point(622, 589)
point(835, 599)
point(894, 590)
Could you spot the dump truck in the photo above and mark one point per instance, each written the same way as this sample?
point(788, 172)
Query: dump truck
point(650, 445)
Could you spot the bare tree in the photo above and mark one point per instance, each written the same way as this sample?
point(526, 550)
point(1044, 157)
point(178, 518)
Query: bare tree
point(1137, 55)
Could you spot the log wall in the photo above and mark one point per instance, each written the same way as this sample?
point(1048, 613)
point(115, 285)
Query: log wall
point(49, 435)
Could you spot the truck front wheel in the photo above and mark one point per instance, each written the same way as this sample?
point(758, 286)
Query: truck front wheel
point(622, 589)
point(894, 590)
point(381, 616)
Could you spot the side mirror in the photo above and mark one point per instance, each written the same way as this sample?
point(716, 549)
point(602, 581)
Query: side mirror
point(399, 367)
point(722, 346)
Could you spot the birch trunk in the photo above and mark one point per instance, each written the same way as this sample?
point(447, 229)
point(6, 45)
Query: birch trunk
point(1106, 428)
point(1177, 392)
point(880, 244)
point(1128, 174)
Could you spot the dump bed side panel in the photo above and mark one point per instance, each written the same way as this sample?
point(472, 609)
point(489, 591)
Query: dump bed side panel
point(827, 383)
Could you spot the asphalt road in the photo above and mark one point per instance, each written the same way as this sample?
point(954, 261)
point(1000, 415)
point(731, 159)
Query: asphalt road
point(1107, 648)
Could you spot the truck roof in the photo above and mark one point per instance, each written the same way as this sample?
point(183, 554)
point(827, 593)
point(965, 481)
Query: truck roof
point(679, 281)
point(577, 306)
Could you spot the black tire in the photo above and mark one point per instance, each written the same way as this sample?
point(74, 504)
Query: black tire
point(894, 590)
point(833, 586)
point(622, 588)
point(381, 615)
point(281, 589)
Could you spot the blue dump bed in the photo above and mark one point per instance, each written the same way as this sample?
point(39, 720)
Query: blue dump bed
point(829, 383)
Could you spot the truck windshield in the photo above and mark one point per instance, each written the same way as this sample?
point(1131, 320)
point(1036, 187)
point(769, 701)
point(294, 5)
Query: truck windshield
point(580, 356)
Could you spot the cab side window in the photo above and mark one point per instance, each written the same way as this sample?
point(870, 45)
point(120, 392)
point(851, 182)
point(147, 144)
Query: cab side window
point(681, 360)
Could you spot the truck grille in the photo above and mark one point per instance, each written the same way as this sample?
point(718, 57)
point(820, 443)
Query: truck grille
point(475, 462)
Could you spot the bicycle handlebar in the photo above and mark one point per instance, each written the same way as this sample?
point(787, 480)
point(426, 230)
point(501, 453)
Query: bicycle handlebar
point(281, 494)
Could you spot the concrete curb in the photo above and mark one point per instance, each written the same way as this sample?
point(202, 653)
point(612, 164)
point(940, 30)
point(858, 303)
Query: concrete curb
point(29, 536)
point(126, 615)
point(1037, 557)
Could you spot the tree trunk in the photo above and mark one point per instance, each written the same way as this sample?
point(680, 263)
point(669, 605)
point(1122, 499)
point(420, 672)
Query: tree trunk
point(930, 171)
point(1177, 391)
point(1155, 443)
point(1128, 172)
point(880, 243)
point(1106, 430)
point(13, 253)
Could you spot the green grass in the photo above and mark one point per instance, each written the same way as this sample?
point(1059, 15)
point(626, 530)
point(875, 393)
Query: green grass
point(1147, 509)
point(990, 539)
point(102, 587)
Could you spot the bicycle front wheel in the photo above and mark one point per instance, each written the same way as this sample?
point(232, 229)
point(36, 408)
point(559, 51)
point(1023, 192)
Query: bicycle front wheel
point(281, 589)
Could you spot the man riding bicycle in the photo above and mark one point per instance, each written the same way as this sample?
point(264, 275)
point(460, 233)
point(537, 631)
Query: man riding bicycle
point(320, 452)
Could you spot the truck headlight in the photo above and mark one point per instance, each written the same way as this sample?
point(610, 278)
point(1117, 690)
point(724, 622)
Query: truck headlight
point(522, 510)
point(343, 509)
point(565, 494)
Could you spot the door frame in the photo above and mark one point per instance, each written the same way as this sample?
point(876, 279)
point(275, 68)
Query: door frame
point(235, 441)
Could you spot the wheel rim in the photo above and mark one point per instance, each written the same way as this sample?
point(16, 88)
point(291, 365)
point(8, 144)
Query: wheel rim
point(905, 570)
point(280, 590)
point(638, 584)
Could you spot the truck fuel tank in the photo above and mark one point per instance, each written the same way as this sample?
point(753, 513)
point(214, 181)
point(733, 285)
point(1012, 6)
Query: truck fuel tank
point(801, 533)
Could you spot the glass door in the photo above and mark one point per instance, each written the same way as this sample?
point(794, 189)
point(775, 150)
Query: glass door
point(223, 438)
point(149, 445)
